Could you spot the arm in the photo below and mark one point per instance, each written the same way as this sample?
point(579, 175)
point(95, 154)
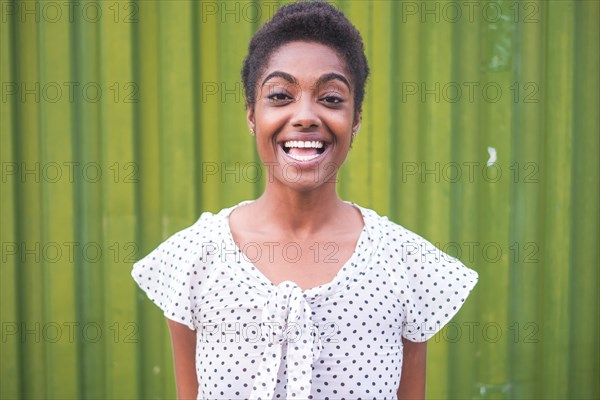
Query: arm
point(412, 380)
point(184, 354)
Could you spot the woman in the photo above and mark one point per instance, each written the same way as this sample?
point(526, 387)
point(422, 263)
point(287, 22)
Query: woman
point(299, 294)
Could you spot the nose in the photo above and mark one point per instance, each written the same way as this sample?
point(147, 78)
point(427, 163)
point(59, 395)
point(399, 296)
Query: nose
point(305, 116)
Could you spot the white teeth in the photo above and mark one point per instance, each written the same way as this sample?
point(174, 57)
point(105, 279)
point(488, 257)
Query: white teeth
point(304, 158)
point(315, 144)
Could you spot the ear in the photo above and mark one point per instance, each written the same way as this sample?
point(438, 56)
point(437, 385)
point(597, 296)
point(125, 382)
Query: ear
point(357, 121)
point(250, 116)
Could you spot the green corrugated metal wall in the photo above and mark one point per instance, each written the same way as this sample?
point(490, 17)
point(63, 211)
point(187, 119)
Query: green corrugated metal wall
point(123, 120)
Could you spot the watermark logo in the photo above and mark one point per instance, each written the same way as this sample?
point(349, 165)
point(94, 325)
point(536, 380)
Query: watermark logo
point(54, 252)
point(252, 172)
point(68, 332)
point(468, 92)
point(126, 12)
point(290, 252)
point(469, 172)
point(69, 172)
point(271, 332)
point(237, 11)
point(69, 91)
point(469, 11)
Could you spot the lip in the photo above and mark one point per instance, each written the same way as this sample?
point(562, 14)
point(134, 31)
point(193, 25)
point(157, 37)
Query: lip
point(304, 164)
point(304, 137)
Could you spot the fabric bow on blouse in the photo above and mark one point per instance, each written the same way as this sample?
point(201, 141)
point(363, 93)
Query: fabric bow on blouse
point(287, 326)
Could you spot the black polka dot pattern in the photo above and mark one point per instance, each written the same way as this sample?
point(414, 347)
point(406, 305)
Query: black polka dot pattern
point(340, 340)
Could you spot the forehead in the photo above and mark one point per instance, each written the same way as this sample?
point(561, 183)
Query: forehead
point(306, 61)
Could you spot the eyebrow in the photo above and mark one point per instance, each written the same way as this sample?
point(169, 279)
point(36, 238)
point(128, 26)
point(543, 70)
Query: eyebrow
point(330, 76)
point(279, 74)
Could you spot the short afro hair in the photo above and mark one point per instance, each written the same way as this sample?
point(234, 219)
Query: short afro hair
point(310, 21)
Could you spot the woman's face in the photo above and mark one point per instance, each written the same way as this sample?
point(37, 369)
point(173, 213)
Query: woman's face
point(304, 116)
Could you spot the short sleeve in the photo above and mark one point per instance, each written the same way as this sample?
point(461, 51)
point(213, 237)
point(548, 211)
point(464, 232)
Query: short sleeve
point(435, 286)
point(164, 276)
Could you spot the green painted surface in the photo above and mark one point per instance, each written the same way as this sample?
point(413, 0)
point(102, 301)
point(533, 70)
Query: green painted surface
point(121, 121)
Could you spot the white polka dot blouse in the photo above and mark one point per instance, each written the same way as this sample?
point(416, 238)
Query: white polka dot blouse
point(340, 340)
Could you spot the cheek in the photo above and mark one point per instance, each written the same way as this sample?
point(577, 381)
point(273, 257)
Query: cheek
point(342, 126)
point(265, 141)
point(269, 118)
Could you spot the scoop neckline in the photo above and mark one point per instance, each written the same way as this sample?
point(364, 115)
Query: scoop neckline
point(365, 235)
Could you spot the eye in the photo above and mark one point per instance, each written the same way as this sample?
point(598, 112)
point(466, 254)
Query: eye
point(279, 97)
point(332, 99)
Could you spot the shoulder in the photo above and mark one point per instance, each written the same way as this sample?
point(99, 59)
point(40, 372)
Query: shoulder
point(431, 284)
point(186, 247)
point(391, 233)
point(209, 226)
point(206, 227)
point(407, 253)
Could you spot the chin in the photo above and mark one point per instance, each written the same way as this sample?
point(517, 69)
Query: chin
point(305, 184)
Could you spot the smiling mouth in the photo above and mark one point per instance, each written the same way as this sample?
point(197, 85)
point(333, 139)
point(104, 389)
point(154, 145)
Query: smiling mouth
point(304, 150)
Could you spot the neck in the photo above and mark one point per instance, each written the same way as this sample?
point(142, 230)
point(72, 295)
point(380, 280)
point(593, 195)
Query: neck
point(299, 213)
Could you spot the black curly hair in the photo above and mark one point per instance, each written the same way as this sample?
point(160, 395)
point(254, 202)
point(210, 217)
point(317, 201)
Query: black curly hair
point(311, 21)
